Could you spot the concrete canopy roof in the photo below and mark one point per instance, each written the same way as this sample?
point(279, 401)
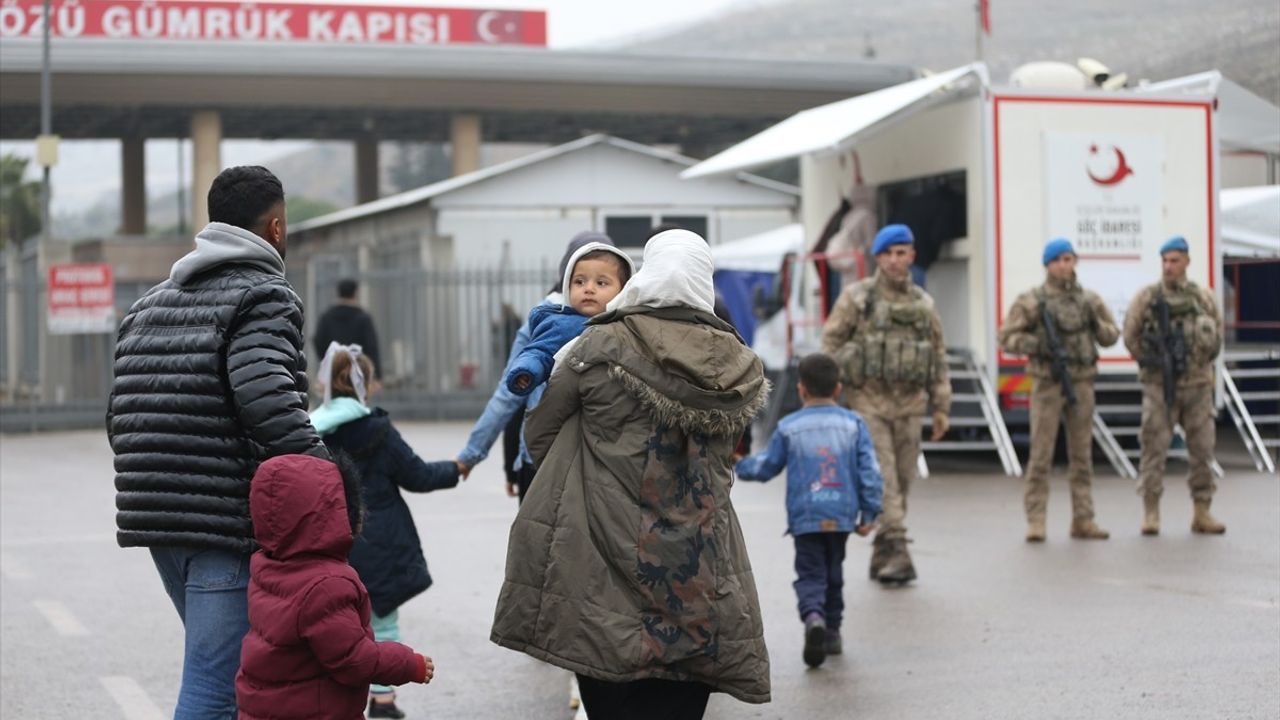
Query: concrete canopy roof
point(156, 74)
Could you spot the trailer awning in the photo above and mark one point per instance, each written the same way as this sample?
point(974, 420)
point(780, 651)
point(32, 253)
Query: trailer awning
point(1245, 121)
point(829, 128)
point(759, 253)
point(1251, 221)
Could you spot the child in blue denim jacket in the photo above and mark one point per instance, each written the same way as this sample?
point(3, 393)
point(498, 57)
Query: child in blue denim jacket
point(833, 488)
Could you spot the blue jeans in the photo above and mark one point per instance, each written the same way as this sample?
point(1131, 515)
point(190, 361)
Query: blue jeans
point(209, 588)
point(820, 575)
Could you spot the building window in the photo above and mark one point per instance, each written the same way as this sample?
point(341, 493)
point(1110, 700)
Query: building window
point(628, 231)
point(631, 231)
point(692, 223)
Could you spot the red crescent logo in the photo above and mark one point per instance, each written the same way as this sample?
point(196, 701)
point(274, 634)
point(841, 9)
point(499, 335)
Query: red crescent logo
point(1122, 168)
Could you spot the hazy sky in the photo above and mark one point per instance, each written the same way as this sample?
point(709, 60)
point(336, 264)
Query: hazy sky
point(88, 169)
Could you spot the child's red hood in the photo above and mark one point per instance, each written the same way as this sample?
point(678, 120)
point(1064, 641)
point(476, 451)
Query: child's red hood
point(298, 507)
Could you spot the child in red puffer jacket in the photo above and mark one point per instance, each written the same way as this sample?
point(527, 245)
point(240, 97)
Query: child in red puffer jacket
point(310, 652)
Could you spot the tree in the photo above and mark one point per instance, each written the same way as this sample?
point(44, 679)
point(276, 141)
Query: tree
point(19, 201)
point(299, 208)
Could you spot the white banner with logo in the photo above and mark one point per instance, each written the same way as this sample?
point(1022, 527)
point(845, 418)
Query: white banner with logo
point(1104, 193)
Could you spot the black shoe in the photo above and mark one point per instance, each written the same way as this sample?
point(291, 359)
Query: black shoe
point(815, 637)
point(832, 644)
point(385, 710)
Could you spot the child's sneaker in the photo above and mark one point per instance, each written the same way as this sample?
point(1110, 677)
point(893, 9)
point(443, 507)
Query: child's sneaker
point(815, 636)
point(385, 710)
point(833, 644)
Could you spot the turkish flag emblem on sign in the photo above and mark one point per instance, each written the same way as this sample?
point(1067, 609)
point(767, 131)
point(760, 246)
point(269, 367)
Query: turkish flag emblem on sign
point(495, 27)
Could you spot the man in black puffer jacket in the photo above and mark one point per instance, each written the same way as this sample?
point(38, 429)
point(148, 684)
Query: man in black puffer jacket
point(210, 380)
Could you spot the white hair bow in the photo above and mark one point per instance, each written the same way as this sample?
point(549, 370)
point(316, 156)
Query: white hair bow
point(357, 375)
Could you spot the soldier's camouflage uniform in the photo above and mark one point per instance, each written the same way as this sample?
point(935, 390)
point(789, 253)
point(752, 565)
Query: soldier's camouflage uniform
point(887, 338)
point(1083, 321)
point(1193, 310)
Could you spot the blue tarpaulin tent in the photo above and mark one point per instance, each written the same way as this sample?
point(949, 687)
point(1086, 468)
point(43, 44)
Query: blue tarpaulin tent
point(751, 264)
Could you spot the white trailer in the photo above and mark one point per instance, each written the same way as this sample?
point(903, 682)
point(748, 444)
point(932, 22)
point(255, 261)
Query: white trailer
point(1117, 172)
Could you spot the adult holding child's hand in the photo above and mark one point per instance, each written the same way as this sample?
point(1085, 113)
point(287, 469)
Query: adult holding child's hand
point(626, 563)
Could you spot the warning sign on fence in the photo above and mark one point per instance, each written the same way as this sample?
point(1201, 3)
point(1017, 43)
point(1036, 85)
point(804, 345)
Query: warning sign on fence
point(82, 299)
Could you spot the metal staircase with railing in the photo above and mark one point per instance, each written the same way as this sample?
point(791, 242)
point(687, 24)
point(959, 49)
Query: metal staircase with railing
point(976, 423)
point(1117, 424)
point(1251, 379)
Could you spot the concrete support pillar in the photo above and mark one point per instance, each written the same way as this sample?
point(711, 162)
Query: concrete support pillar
point(464, 136)
point(206, 162)
point(367, 170)
point(133, 182)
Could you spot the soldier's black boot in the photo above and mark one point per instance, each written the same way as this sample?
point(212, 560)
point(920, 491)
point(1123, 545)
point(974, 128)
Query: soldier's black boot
point(879, 555)
point(897, 569)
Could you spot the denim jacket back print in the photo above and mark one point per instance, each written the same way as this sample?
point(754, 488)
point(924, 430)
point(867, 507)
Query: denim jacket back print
point(833, 477)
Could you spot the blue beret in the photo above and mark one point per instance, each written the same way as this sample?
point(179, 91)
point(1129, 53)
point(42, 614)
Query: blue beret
point(1056, 248)
point(892, 235)
point(1177, 242)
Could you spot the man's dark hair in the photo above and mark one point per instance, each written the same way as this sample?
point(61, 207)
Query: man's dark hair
point(240, 196)
point(624, 270)
point(347, 288)
point(819, 375)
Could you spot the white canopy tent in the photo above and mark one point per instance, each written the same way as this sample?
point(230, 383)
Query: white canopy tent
point(1245, 121)
point(759, 253)
point(1251, 221)
point(832, 127)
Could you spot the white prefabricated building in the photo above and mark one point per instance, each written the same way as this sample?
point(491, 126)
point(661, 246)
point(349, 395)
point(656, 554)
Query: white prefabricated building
point(442, 266)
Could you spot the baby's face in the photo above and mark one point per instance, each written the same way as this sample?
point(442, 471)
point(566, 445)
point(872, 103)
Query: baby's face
point(594, 283)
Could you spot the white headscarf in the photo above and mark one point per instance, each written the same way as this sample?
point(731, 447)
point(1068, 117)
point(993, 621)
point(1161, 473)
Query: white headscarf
point(357, 375)
point(676, 271)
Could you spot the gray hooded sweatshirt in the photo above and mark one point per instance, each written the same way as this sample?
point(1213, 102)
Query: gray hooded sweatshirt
point(220, 244)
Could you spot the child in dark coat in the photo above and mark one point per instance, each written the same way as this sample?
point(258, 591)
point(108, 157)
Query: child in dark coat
point(388, 554)
point(310, 653)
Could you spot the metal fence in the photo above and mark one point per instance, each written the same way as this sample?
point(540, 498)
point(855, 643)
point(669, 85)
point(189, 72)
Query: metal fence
point(444, 338)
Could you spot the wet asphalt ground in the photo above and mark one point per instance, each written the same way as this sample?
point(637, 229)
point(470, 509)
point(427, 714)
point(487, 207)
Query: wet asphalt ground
point(1178, 626)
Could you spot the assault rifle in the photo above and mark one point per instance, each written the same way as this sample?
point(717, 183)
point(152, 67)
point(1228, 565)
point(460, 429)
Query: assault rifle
point(1172, 349)
point(1057, 355)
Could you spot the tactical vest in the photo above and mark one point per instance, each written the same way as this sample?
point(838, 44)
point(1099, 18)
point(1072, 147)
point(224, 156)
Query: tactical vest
point(892, 344)
point(1073, 319)
point(1190, 326)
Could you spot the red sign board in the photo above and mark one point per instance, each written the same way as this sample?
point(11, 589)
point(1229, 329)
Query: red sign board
point(82, 298)
point(274, 22)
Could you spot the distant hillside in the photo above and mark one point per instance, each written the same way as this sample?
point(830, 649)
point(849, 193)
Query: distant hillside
point(316, 179)
point(1155, 39)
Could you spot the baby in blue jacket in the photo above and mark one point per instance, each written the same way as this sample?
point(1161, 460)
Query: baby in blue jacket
point(593, 276)
point(833, 488)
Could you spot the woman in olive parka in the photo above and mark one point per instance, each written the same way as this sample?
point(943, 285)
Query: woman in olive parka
point(626, 563)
